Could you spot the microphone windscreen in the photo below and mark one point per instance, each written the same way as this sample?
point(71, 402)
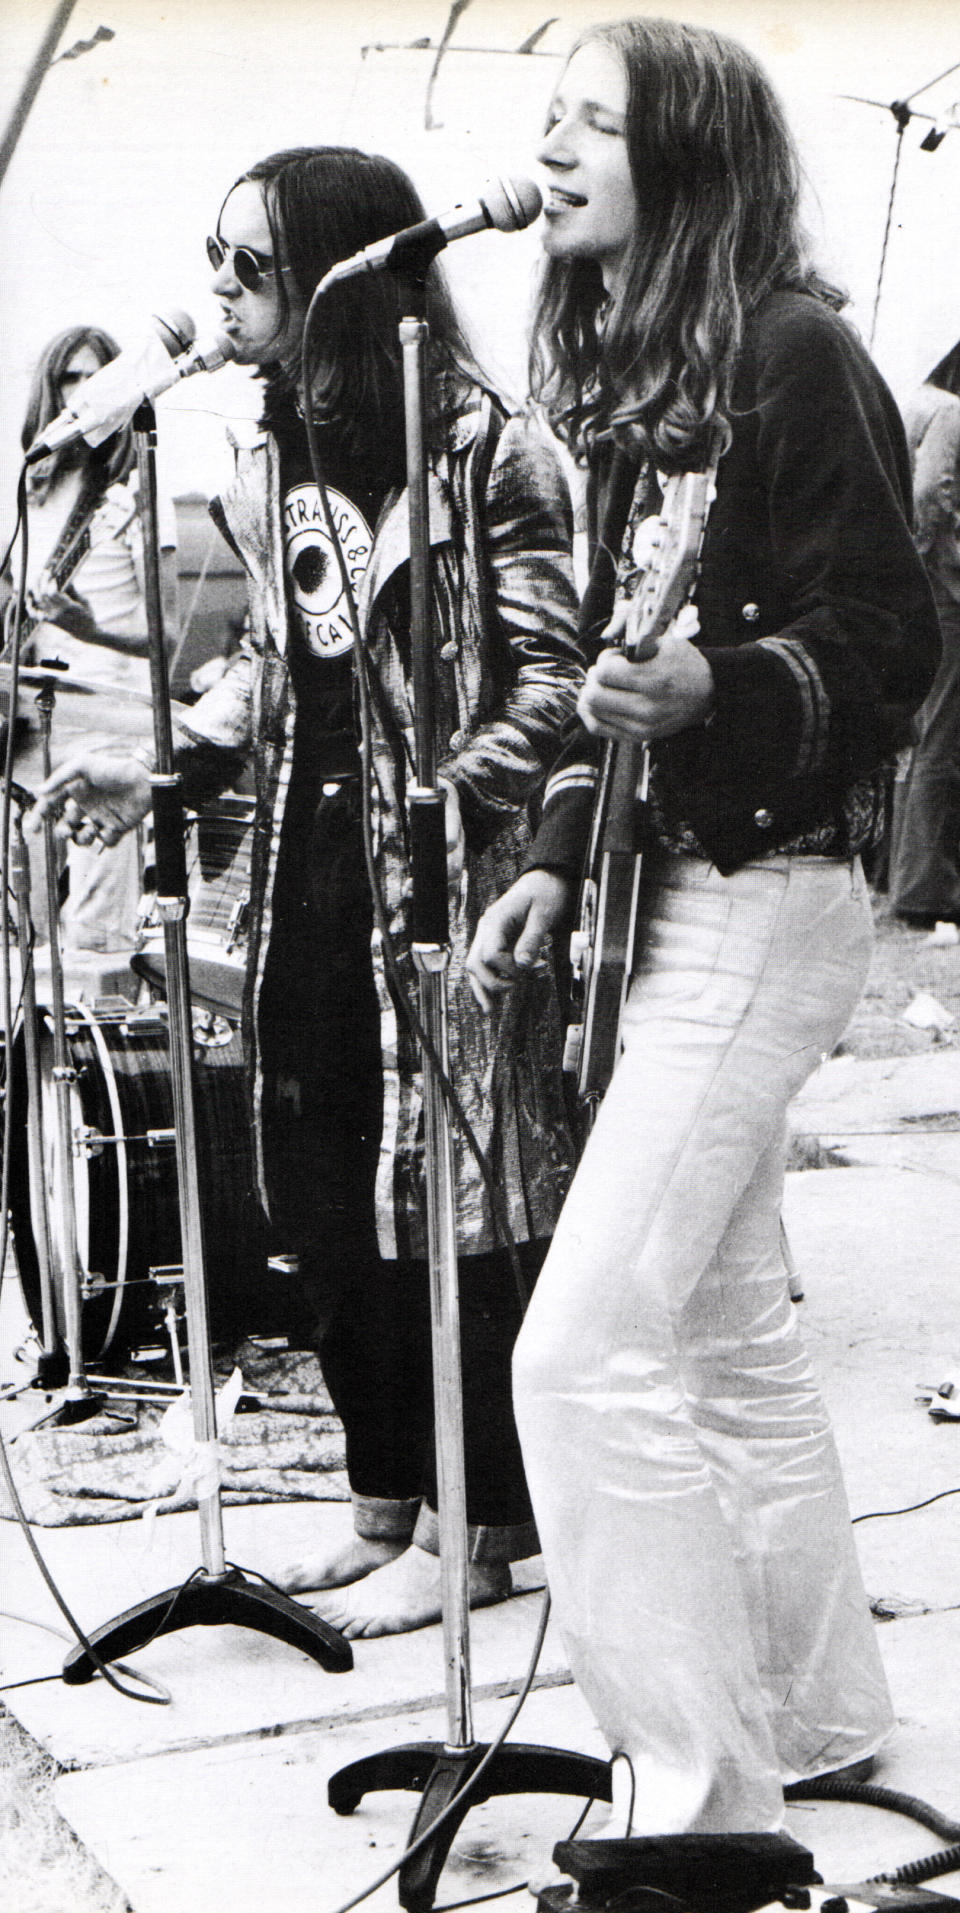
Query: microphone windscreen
point(176, 329)
point(511, 204)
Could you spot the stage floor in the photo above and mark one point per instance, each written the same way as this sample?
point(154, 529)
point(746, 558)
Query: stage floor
point(219, 1800)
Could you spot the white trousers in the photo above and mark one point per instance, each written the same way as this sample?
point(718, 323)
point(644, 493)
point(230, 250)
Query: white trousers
point(679, 1457)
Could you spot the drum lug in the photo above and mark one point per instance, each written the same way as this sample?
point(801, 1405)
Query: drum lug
point(64, 1073)
point(88, 1141)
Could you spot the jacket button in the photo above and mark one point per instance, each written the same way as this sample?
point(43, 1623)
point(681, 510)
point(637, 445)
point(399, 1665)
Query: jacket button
point(457, 740)
point(750, 613)
point(763, 819)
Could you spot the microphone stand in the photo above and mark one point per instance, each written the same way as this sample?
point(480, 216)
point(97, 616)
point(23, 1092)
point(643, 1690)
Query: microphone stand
point(215, 1595)
point(439, 1771)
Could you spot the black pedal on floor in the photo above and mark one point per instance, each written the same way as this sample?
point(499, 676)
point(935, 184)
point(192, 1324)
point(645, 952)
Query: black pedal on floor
point(702, 1872)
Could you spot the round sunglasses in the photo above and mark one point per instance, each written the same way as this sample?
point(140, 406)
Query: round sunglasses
point(250, 268)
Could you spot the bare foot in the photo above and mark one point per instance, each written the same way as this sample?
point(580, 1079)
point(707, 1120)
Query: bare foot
point(339, 1566)
point(406, 1594)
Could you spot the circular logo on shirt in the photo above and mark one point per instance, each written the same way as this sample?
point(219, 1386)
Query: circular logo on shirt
point(313, 572)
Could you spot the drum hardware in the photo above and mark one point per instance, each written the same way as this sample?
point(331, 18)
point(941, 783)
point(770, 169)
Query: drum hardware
point(77, 1401)
point(50, 1362)
point(91, 1142)
point(169, 1279)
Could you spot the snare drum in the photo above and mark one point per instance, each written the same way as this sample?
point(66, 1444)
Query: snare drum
point(218, 885)
point(126, 1184)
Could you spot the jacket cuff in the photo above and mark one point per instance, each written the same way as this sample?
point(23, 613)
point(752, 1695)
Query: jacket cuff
point(771, 711)
point(563, 836)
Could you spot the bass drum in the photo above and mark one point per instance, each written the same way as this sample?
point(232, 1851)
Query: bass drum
point(126, 1185)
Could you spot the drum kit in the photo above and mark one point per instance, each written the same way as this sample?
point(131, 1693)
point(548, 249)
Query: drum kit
point(110, 1060)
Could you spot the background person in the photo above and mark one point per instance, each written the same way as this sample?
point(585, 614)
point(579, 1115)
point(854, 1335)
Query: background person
point(925, 874)
point(86, 603)
point(680, 1461)
point(335, 1070)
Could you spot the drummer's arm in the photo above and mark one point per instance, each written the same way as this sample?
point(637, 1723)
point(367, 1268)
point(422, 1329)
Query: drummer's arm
point(213, 737)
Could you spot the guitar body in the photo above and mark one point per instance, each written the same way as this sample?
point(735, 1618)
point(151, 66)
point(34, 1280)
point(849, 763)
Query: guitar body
point(602, 945)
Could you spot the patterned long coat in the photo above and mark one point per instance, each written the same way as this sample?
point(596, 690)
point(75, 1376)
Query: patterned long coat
point(508, 671)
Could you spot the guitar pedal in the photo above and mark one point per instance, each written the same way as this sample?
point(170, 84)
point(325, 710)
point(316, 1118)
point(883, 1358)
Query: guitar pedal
point(698, 1872)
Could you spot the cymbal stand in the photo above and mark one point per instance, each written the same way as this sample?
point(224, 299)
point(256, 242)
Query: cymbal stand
point(439, 1771)
point(51, 1353)
point(216, 1594)
point(78, 1402)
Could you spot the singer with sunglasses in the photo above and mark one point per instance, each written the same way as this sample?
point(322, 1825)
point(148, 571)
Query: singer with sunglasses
point(334, 1067)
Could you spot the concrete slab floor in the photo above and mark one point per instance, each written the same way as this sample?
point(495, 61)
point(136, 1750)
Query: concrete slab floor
point(248, 1826)
point(220, 1800)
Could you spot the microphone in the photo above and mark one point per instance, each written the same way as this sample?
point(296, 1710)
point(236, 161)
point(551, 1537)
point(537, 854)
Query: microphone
point(507, 204)
point(107, 400)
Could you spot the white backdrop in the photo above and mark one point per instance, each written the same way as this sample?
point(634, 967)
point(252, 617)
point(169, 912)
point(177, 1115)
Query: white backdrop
point(130, 148)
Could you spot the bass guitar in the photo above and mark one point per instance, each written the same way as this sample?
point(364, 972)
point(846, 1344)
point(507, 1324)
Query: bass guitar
point(602, 944)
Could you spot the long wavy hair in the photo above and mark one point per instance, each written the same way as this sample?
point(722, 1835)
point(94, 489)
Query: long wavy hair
point(323, 204)
point(105, 463)
point(717, 183)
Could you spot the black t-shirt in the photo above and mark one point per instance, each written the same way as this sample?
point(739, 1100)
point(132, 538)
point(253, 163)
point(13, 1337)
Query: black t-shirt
point(320, 634)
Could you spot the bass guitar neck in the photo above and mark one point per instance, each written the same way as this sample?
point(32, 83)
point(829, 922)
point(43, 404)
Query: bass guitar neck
point(602, 945)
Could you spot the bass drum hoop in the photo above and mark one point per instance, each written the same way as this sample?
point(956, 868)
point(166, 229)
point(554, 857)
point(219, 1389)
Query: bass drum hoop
point(122, 1173)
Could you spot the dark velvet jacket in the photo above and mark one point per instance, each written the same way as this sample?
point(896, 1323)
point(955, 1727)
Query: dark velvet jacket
point(815, 612)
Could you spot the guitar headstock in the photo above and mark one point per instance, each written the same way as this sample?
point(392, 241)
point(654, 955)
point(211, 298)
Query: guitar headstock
point(672, 569)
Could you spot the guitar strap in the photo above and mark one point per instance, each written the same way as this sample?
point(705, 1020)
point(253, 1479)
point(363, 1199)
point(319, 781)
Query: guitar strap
point(614, 497)
point(69, 548)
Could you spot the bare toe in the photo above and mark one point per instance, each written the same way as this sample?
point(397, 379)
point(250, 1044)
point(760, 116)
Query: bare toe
point(338, 1567)
point(405, 1594)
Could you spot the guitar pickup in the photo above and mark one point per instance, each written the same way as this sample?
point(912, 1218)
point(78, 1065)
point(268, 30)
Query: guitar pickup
point(581, 954)
point(573, 1048)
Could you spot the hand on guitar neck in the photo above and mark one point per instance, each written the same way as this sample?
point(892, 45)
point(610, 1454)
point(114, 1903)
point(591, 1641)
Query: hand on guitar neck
point(651, 686)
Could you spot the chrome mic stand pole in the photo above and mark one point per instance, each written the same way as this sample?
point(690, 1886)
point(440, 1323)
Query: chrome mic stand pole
point(216, 1595)
point(440, 1772)
point(431, 955)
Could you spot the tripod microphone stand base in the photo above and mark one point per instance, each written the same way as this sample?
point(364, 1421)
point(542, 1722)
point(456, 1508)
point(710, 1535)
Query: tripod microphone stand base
point(213, 1600)
point(438, 1773)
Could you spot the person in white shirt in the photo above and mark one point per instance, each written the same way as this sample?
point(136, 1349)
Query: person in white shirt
point(87, 607)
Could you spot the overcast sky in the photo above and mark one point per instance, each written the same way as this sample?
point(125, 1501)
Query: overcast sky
point(130, 147)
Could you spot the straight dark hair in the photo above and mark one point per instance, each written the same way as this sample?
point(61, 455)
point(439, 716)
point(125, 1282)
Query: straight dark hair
point(717, 183)
point(323, 204)
point(105, 463)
